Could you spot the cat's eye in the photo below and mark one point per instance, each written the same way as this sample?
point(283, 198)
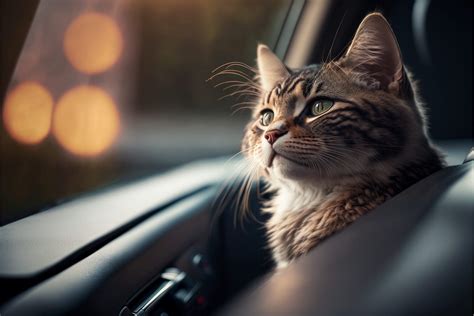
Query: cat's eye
point(321, 106)
point(266, 117)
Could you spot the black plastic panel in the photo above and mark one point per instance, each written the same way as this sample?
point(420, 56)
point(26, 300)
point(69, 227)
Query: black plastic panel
point(51, 236)
point(41, 245)
point(102, 283)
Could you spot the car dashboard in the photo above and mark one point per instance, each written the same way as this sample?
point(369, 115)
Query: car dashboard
point(131, 250)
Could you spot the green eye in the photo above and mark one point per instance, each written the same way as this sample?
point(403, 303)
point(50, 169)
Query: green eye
point(321, 106)
point(266, 117)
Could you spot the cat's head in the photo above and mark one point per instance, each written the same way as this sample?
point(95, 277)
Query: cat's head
point(353, 115)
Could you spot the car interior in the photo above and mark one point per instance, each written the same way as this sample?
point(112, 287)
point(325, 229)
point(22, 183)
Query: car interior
point(166, 239)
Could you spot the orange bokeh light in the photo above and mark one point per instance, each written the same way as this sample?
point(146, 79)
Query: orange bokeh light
point(27, 112)
point(93, 43)
point(86, 121)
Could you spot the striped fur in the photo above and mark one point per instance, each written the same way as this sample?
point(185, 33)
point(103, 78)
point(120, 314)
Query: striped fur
point(327, 171)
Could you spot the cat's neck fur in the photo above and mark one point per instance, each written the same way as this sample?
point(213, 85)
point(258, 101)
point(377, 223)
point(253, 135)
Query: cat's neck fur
point(333, 204)
point(297, 196)
point(293, 196)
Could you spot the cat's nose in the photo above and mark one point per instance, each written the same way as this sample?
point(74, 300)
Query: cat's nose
point(272, 135)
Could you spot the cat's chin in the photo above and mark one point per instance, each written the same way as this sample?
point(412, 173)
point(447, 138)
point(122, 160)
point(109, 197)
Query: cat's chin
point(287, 168)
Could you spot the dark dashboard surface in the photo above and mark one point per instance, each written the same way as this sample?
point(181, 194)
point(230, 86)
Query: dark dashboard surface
point(39, 247)
point(52, 235)
point(410, 256)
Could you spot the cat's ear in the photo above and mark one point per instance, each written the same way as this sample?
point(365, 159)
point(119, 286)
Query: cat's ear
point(374, 52)
point(270, 68)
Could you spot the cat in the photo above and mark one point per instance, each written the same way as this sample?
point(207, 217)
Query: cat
point(333, 141)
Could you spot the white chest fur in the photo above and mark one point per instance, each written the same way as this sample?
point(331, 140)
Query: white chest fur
point(294, 198)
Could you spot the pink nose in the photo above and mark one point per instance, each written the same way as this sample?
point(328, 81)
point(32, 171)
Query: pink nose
point(272, 135)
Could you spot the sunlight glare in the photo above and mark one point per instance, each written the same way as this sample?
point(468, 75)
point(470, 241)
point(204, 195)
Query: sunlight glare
point(86, 121)
point(27, 112)
point(93, 43)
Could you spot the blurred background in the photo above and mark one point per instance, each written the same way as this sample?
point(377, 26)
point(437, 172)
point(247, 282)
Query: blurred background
point(110, 90)
point(99, 92)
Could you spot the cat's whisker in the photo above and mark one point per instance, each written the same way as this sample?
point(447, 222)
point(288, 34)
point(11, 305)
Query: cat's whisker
point(231, 72)
point(232, 95)
point(229, 65)
point(334, 160)
point(229, 187)
point(236, 71)
point(250, 105)
point(237, 74)
point(234, 63)
point(243, 88)
point(328, 57)
point(223, 66)
point(243, 65)
point(241, 93)
point(243, 151)
point(241, 202)
point(241, 108)
point(241, 83)
point(246, 90)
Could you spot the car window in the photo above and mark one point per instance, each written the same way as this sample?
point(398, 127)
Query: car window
point(110, 90)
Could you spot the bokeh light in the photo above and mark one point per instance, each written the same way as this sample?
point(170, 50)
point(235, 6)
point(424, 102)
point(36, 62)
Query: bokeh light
point(86, 121)
point(27, 112)
point(93, 43)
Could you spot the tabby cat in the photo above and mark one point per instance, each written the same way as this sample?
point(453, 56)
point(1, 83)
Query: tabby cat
point(335, 140)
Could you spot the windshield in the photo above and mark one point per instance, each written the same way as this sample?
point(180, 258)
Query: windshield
point(110, 90)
